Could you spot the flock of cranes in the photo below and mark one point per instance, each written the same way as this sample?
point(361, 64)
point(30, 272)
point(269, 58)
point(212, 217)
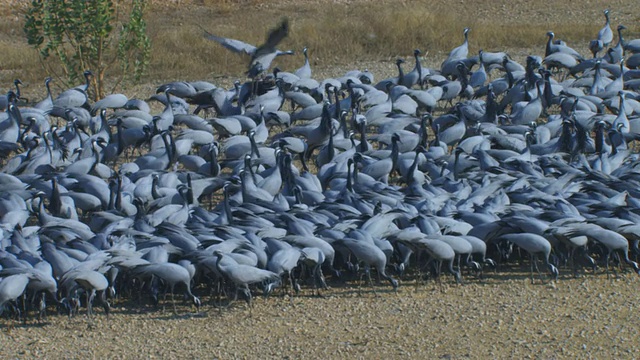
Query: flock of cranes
point(474, 165)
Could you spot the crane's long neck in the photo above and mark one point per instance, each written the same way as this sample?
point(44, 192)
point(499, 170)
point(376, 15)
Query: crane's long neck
point(96, 157)
point(226, 208)
point(599, 139)
point(119, 193)
point(395, 151)
point(596, 81)
point(620, 38)
point(243, 187)
point(154, 188)
point(343, 124)
point(547, 50)
point(254, 147)
point(355, 173)
point(364, 146)
point(42, 215)
point(349, 181)
point(54, 202)
point(17, 118)
point(423, 133)
point(491, 107)
point(412, 168)
point(419, 70)
point(337, 111)
point(87, 80)
point(400, 72)
point(548, 92)
point(331, 151)
point(614, 148)
point(213, 165)
point(510, 78)
point(455, 165)
point(464, 80)
point(48, 148)
point(120, 139)
point(218, 266)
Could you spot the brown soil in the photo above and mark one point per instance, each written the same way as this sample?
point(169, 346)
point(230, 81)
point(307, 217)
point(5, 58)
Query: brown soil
point(504, 316)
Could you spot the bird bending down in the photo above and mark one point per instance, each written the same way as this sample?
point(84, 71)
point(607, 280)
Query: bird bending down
point(172, 274)
point(535, 245)
point(244, 275)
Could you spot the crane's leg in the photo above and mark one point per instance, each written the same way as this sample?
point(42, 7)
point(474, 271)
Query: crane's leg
point(173, 301)
point(618, 263)
point(367, 271)
point(24, 308)
point(164, 298)
point(572, 259)
point(42, 307)
point(248, 298)
point(319, 279)
point(16, 307)
point(438, 270)
point(531, 272)
point(535, 263)
point(90, 296)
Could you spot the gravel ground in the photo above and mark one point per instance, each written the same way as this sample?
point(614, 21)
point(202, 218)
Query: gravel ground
point(504, 316)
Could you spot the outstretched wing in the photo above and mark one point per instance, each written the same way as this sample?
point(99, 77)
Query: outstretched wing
point(278, 34)
point(231, 44)
point(273, 39)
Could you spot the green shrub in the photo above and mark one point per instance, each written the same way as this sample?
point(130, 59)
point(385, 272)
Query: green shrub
point(104, 36)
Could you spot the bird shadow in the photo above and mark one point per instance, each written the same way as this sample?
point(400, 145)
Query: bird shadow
point(6, 327)
point(184, 316)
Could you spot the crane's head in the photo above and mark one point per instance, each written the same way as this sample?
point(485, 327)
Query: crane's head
point(554, 271)
point(394, 284)
point(196, 302)
point(107, 307)
point(458, 277)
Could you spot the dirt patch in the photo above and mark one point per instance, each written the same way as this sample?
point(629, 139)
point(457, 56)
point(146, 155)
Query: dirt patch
point(503, 317)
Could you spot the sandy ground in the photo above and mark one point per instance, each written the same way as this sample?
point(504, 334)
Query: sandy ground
point(504, 316)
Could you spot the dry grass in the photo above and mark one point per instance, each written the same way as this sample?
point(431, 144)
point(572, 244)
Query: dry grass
point(337, 32)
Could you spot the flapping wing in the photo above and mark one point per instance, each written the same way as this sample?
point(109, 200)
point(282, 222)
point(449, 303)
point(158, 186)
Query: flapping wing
point(278, 34)
point(231, 44)
point(273, 39)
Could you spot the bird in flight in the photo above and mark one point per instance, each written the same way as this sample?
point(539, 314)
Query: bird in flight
point(261, 56)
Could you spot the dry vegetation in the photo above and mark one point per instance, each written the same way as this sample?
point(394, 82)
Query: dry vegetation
point(350, 33)
point(504, 317)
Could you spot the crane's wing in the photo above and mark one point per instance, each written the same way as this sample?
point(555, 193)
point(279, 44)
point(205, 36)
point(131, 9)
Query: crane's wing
point(231, 44)
point(278, 34)
point(273, 39)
